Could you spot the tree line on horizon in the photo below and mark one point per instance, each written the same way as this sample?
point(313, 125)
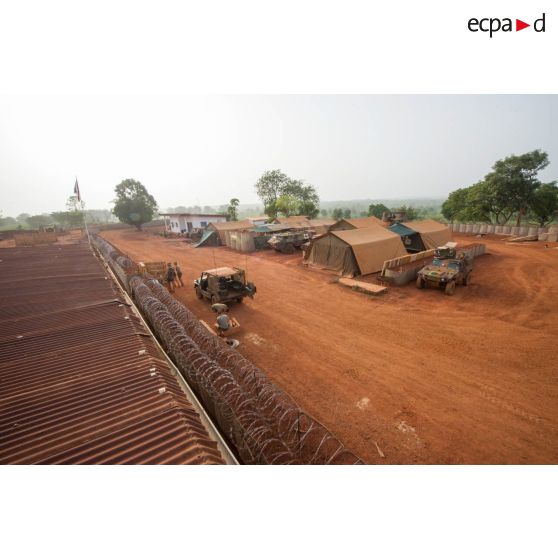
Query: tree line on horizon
point(511, 190)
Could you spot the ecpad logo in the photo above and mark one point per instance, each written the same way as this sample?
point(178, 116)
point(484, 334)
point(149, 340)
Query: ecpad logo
point(493, 25)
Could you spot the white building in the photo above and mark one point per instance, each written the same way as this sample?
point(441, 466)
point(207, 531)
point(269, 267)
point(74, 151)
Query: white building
point(187, 222)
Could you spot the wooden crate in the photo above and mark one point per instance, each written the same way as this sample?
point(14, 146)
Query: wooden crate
point(153, 268)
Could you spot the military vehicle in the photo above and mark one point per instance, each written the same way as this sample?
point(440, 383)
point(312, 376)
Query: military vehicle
point(224, 284)
point(445, 252)
point(446, 272)
point(288, 242)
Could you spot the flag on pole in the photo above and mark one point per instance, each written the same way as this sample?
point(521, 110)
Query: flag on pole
point(76, 190)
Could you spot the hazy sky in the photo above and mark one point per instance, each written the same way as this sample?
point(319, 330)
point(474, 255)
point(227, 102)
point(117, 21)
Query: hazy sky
point(205, 150)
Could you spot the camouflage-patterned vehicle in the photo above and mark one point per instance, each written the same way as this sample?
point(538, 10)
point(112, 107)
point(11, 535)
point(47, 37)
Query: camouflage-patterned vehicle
point(224, 284)
point(288, 242)
point(446, 270)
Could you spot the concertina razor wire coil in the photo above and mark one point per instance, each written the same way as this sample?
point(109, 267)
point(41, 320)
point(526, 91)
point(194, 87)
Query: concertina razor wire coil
point(260, 420)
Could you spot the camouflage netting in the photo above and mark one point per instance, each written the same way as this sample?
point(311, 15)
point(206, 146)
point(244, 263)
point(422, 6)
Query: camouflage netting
point(260, 420)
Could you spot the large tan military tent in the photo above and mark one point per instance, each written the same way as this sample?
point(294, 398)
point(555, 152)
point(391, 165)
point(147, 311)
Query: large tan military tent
point(432, 233)
point(355, 252)
point(358, 223)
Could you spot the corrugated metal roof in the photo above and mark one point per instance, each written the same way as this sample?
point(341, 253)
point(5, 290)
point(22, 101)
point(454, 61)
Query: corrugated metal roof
point(321, 222)
point(81, 379)
point(230, 225)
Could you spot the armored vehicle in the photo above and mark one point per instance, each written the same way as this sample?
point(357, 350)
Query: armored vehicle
point(446, 272)
point(445, 252)
point(224, 284)
point(288, 242)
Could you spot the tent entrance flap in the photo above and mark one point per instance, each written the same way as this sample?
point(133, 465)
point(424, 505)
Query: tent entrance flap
point(330, 252)
point(410, 238)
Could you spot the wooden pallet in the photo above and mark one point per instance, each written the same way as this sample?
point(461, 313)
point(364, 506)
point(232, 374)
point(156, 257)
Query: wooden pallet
point(528, 238)
point(368, 288)
point(235, 326)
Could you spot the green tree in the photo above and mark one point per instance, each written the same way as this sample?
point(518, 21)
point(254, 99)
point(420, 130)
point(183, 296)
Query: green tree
point(232, 210)
point(346, 214)
point(270, 187)
point(488, 201)
point(68, 219)
point(509, 189)
point(38, 221)
point(308, 201)
point(73, 204)
point(337, 213)
point(516, 175)
point(134, 205)
point(323, 213)
point(275, 184)
point(287, 205)
point(377, 210)
point(455, 204)
point(7, 222)
point(543, 208)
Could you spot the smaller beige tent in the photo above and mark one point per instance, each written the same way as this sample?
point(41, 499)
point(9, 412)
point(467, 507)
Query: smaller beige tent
point(358, 223)
point(432, 233)
point(355, 252)
point(321, 226)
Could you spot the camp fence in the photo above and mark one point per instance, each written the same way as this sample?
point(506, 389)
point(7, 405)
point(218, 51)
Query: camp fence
point(262, 422)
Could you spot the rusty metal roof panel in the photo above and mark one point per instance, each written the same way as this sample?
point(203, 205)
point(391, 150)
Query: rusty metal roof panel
point(81, 379)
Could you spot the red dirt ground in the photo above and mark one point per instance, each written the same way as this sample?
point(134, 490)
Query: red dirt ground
point(416, 375)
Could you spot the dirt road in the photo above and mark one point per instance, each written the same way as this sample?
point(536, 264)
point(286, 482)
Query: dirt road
point(424, 377)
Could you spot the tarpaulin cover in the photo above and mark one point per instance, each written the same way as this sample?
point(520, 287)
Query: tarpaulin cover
point(209, 238)
point(433, 234)
point(271, 228)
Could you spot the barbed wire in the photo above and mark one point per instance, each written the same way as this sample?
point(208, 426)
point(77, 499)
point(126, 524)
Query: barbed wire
point(260, 420)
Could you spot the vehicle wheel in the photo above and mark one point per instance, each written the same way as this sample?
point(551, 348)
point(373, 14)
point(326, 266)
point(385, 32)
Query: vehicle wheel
point(467, 279)
point(450, 288)
point(420, 283)
point(199, 293)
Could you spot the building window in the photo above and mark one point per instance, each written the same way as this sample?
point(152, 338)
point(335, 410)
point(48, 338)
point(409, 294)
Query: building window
point(203, 224)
